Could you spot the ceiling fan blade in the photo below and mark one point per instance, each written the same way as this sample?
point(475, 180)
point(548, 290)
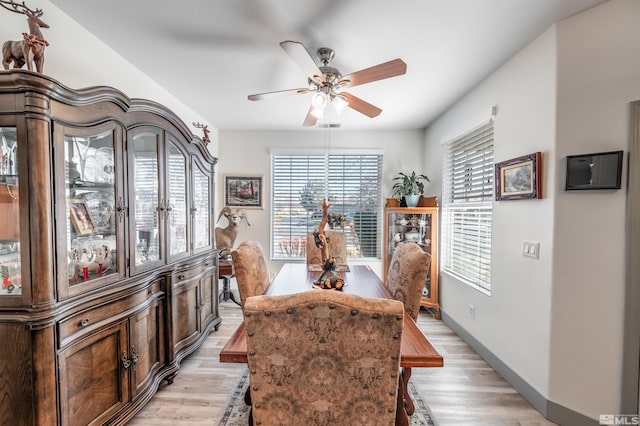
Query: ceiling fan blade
point(299, 54)
point(310, 120)
point(377, 72)
point(361, 106)
point(261, 96)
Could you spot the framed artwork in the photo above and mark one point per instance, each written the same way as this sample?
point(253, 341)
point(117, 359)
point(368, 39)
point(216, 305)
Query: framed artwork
point(519, 178)
point(243, 191)
point(81, 218)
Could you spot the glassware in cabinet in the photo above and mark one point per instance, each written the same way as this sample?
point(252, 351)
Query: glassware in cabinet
point(90, 191)
point(10, 263)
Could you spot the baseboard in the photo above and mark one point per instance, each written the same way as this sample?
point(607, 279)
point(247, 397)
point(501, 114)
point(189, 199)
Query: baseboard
point(549, 409)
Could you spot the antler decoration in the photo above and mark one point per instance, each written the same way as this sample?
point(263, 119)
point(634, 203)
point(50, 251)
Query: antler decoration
point(23, 8)
point(31, 47)
point(205, 130)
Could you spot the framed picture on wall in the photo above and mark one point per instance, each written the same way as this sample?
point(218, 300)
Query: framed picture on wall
point(243, 191)
point(519, 178)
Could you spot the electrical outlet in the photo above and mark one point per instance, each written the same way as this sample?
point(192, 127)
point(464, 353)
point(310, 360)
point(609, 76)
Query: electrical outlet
point(472, 311)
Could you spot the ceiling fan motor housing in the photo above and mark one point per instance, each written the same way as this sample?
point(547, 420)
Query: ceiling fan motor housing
point(326, 55)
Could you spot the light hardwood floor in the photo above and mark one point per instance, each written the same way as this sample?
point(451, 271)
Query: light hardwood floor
point(465, 392)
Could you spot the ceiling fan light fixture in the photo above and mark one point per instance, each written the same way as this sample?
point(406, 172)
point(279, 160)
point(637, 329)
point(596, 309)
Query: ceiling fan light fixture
point(339, 103)
point(319, 100)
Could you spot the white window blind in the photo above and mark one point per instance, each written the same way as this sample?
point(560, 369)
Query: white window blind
point(467, 194)
point(352, 185)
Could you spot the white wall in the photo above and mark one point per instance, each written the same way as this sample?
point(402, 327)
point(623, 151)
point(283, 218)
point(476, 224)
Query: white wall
point(249, 152)
point(513, 323)
point(557, 322)
point(77, 59)
point(598, 75)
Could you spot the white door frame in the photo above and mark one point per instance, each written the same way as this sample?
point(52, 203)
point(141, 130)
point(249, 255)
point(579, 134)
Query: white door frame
point(631, 355)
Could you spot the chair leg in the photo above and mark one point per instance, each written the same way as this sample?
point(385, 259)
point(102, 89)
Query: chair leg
point(406, 375)
point(401, 414)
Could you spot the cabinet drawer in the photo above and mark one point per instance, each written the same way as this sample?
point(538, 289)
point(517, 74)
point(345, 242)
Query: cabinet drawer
point(86, 321)
point(186, 274)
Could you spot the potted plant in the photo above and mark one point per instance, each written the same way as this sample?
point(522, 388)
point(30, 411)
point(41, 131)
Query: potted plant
point(411, 187)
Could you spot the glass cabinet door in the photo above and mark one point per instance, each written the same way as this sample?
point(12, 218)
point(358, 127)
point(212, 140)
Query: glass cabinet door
point(91, 210)
point(410, 225)
point(146, 205)
point(10, 274)
point(201, 208)
point(177, 212)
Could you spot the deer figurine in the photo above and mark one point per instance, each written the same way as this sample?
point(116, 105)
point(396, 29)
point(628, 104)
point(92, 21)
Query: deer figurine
point(30, 49)
point(205, 131)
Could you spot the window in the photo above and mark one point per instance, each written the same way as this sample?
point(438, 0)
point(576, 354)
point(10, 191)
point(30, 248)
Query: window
point(467, 176)
point(350, 182)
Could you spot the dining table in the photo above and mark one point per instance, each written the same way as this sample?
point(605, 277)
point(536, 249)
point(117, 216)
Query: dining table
point(416, 350)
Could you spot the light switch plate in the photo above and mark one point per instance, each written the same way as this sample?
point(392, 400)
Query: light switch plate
point(530, 249)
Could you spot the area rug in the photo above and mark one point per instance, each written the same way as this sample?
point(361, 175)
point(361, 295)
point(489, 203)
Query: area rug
point(237, 412)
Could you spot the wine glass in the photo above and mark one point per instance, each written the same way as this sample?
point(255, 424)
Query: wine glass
point(8, 155)
point(83, 151)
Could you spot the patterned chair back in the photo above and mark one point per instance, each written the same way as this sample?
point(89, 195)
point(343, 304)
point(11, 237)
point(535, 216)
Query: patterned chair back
point(323, 357)
point(337, 248)
point(407, 275)
point(252, 272)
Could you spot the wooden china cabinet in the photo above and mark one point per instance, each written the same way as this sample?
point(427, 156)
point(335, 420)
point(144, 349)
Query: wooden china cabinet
point(418, 225)
point(107, 259)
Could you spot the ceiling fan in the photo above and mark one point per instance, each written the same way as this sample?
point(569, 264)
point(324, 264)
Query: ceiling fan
point(326, 83)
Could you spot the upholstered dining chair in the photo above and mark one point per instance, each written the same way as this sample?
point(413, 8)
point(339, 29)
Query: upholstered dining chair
point(337, 242)
point(407, 274)
point(250, 266)
point(323, 357)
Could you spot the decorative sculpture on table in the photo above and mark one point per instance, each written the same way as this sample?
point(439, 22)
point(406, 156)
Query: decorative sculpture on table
point(336, 219)
point(328, 279)
point(225, 237)
point(30, 49)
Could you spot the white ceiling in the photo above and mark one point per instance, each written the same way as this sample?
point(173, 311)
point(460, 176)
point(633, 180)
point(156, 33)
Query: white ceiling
point(211, 54)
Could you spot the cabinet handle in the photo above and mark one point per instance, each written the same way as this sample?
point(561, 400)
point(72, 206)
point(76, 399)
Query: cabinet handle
point(181, 277)
point(84, 322)
point(126, 363)
point(134, 357)
point(121, 209)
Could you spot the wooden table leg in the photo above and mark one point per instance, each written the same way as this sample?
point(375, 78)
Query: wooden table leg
point(406, 375)
point(227, 293)
point(401, 414)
